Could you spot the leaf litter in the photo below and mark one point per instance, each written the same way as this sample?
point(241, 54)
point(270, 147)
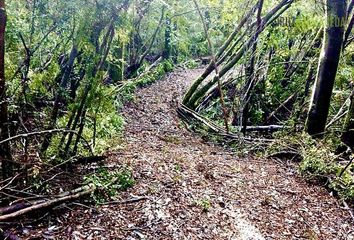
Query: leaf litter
point(189, 188)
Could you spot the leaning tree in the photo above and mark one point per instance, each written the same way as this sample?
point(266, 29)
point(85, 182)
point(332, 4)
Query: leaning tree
point(240, 46)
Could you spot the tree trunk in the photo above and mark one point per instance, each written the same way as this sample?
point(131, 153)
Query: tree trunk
point(60, 95)
point(167, 50)
point(5, 150)
point(121, 56)
point(193, 96)
point(348, 31)
point(328, 65)
point(174, 47)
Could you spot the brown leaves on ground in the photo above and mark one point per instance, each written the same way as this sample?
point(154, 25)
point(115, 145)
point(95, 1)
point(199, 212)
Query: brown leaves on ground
point(193, 189)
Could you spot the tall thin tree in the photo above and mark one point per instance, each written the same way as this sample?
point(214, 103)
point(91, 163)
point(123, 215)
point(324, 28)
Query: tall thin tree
point(5, 151)
point(348, 129)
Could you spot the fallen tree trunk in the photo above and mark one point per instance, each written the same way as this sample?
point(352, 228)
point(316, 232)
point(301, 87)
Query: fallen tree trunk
point(8, 236)
point(190, 115)
point(223, 48)
point(194, 94)
point(269, 128)
point(75, 194)
point(14, 208)
point(223, 107)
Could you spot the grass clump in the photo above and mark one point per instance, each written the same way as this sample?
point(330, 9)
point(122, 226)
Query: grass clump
point(110, 183)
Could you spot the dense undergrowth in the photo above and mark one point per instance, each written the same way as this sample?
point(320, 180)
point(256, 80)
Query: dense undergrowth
point(325, 162)
point(110, 128)
point(125, 93)
point(318, 160)
point(108, 123)
point(56, 174)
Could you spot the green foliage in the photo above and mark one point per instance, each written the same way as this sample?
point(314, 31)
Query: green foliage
point(191, 64)
point(204, 204)
point(110, 183)
point(318, 161)
point(126, 91)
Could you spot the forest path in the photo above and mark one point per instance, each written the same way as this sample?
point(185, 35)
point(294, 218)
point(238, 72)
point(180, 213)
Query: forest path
point(178, 174)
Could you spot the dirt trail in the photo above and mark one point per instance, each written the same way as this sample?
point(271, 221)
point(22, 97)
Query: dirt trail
point(181, 176)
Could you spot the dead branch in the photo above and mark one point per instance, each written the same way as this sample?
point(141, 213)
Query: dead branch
point(8, 236)
point(269, 128)
point(14, 208)
point(189, 115)
point(346, 167)
point(31, 134)
point(59, 199)
point(86, 190)
point(342, 111)
point(282, 105)
point(10, 182)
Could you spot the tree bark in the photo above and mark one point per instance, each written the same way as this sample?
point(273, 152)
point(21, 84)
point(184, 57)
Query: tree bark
point(211, 49)
point(5, 150)
point(328, 65)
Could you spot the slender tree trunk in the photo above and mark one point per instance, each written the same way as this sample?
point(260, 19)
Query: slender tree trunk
point(79, 119)
point(348, 31)
point(5, 150)
point(211, 49)
point(59, 97)
point(138, 62)
point(348, 130)
point(121, 57)
point(350, 7)
point(328, 65)
point(167, 50)
point(80, 132)
point(194, 94)
point(174, 47)
point(220, 54)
